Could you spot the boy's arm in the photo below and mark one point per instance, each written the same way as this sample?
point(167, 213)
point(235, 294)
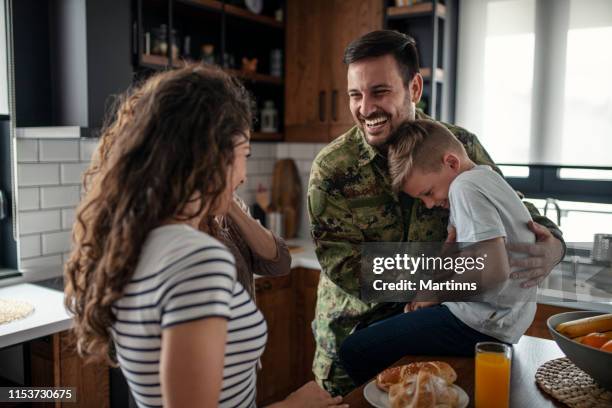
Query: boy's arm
point(554, 254)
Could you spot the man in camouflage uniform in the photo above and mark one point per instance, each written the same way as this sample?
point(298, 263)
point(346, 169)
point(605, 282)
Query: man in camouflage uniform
point(350, 199)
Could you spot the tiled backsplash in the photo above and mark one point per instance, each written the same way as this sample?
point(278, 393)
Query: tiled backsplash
point(49, 180)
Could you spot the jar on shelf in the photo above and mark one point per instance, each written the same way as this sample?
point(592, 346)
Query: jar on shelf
point(269, 118)
point(160, 41)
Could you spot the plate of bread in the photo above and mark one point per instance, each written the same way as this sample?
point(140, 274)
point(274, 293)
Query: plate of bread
point(422, 384)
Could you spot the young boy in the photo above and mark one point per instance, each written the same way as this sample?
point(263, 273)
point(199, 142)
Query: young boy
point(427, 162)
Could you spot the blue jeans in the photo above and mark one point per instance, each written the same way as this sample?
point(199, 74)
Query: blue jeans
point(431, 331)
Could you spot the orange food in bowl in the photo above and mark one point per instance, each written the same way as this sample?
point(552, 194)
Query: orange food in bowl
point(595, 340)
point(607, 347)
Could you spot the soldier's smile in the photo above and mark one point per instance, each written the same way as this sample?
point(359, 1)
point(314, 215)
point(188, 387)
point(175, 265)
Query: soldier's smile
point(376, 125)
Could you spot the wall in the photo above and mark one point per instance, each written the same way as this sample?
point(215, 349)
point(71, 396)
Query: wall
point(49, 177)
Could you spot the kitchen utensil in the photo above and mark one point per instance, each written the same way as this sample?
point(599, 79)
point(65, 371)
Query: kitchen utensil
point(275, 223)
point(592, 361)
point(602, 248)
point(380, 399)
point(286, 194)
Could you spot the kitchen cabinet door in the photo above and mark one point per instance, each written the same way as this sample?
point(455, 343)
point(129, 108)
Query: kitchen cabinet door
point(352, 19)
point(276, 379)
point(307, 71)
point(307, 281)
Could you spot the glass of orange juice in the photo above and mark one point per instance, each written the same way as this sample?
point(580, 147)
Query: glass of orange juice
point(492, 375)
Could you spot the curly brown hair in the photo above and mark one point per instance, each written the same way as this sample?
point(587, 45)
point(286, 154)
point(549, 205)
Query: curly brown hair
point(171, 138)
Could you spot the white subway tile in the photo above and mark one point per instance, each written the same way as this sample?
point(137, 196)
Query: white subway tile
point(59, 150)
point(29, 246)
point(68, 217)
point(56, 242)
point(39, 221)
point(282, 150)
point(43, 261)
point(29, 198)
point(53, 197)
point(88, 147)
point(37, 174)
point(301, 150)
point(252, 167)
point(266, 166)
point(27, 150)
point(263, 150)
point(72, 172)
point(304, 166)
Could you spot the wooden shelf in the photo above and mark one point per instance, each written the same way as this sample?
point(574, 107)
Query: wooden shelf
point(416, 10)
point(237, 12)
point(426, 74)
point(160, 62)
point(266, 137)
point(255, 76)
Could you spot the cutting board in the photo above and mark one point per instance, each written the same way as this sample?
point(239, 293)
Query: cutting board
point(286, 194)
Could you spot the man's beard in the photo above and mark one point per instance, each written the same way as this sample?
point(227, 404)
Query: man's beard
point(407, 113)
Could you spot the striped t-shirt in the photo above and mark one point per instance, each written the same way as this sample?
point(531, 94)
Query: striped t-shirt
point(185, 275)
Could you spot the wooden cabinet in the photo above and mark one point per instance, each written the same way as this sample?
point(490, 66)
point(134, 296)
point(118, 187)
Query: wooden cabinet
point(316, 101)
point(55, 363)
point(288, 304)
point(274, 297)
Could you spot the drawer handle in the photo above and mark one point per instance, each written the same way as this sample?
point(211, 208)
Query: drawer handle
point(322, 106)
point(334, 105)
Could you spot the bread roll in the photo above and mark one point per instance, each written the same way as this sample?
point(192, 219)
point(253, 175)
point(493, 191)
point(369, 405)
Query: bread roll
point(398, 374)
point(423, 390)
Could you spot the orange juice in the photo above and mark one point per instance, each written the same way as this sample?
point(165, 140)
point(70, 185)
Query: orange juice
point(492, 380)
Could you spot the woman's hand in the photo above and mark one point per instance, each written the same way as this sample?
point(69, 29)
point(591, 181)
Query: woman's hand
point(310, 395)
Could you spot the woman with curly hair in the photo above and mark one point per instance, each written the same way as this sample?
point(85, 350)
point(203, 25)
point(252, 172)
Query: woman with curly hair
point(147, 287)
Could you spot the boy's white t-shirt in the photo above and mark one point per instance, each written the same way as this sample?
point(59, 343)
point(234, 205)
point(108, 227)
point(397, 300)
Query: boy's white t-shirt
point(483, 206)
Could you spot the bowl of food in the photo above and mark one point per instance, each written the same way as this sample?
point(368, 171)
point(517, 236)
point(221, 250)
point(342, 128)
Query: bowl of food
point(586, 339)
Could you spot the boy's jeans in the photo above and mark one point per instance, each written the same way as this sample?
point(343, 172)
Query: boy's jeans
point(433, 331)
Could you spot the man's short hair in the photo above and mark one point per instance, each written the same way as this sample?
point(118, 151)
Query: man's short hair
point(419, 144)
point(384, 42)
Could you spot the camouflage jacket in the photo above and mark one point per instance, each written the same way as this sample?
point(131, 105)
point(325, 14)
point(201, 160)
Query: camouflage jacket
point(350, 201)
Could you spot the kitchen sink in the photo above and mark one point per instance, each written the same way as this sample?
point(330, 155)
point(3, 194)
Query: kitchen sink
point(579, 277)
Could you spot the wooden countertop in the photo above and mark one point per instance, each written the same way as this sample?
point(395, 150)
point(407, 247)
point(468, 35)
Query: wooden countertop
point(528, 355)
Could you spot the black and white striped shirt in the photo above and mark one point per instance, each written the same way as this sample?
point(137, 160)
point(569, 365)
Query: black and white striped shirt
point(185, 275)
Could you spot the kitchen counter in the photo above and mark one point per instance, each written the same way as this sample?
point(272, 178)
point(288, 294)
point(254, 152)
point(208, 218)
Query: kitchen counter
point(49, 315)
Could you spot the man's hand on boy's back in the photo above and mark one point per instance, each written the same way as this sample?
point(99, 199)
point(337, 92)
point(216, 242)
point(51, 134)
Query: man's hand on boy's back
point(542, 256)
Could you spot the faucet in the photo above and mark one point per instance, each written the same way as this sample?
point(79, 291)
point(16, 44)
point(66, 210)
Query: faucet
point(554, 203)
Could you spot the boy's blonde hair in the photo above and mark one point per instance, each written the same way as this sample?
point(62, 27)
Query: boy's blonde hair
point(419, 144)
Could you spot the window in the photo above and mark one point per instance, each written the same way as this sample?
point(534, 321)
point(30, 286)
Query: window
point(533, 79)
point(534, 83)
